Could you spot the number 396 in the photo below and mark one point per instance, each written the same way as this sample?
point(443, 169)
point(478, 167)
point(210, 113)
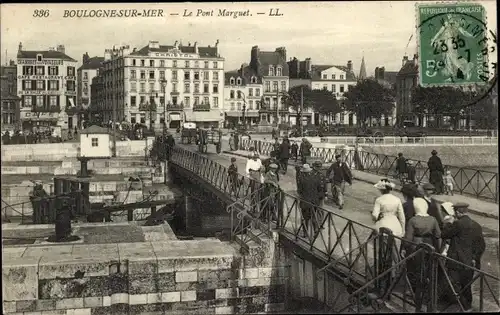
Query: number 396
point(41, 13)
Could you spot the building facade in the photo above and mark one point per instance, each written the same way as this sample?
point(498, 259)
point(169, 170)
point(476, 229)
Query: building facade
point(160, 84)
point(87, 71)
point(46, 84)
point(272, 68)
point(97, 98)
point(406, 81)
point(242, 94)
point(10, 101)
point(334, 78)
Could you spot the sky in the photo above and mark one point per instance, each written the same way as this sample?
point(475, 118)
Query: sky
point(327, 32)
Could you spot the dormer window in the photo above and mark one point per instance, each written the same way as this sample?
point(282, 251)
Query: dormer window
point(253, 80)
point(271, 71)
point(231, 81)
point(39, 57)
point(325, 76)
point(279, 71)
point(238, 81)
point(341, 77)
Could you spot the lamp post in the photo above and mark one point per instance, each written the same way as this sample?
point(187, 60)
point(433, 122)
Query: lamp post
point(165, 121)
point(244, 109)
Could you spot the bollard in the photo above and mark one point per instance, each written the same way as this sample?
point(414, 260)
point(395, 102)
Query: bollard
point(36, 205)
point(58, 186)
point(66, 182)
point(84, 197)
point(63, 220)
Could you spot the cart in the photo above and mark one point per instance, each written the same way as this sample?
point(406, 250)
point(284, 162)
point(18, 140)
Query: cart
point(210, 137)
point(188, 133)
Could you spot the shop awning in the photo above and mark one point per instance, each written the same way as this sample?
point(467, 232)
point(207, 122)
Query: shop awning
point(213, 115)
point(240, 114)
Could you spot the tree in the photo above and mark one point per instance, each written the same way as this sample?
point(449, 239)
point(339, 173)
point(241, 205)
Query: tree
point(368, 99)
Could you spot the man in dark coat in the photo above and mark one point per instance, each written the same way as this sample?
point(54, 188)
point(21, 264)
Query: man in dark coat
point(436, 171)
point(467, 245)
point(305, 150)
point(339, 174)
point(295, 150)
point(435, 209)
point(308, 189)
point(284, 154)
point(276, 149)
point(401, 167)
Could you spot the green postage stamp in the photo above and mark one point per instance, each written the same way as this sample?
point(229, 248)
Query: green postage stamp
point(452, 44)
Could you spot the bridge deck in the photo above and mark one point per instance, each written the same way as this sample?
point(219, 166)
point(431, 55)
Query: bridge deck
point(358, 204)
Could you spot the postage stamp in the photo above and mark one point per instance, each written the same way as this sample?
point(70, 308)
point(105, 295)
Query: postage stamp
point(452, 44)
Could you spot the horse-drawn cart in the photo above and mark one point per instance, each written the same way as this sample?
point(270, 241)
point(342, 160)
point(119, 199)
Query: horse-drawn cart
point(210, 137)
point(188, 134)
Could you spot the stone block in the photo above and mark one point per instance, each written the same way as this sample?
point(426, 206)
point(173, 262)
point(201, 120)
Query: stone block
point(69, 303)
point(54, 312)
point(187, 296)
point(186, 276)
point(80, 311)
point(106, 301)
point(92, 301)
point(32, 170)
point(249, 273)
point(20, 281)
point(91, 266)
point(9, 307)
point(45, 305)
point(187, 286)
point(154, 298)
point(119, 298)
point(170, 297)
point(224, 310)
point(135, 299)
point(226, 293)
point(274, 307)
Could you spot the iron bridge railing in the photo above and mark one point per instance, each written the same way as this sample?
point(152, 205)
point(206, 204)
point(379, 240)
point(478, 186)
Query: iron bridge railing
point(478, 183)
point(371, 261)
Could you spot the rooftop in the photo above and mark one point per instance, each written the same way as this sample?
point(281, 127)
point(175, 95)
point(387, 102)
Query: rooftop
point(92, 63)
point(94, 129)
point(202, 51)
point(246, 73)
point(409, 68)
point(317, 69)
point(47, 54)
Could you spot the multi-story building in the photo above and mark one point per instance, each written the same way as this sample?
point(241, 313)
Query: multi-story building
point(47, 86)
point(272, 67)
point(97, 98)
point(87, 71)
point(10, 100)
point(177, 82)
point(406, 81)
point(242, 93)
point(334, 78)
point(386, 78)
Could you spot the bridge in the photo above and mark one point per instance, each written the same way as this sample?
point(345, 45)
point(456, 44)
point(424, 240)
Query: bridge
point(345, 265)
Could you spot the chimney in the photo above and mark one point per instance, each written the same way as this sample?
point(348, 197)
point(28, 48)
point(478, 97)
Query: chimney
point(308, 64)
point(61, 49)
point(254, 58)
point(189, 44)
point(349, 65)
point(20, 46)
point(12, 63)
point(196, 47)
point(85, 58)
point(415, 57)
point(282, 52)
point(216, 43)
point(134, 49)
point(405, 60)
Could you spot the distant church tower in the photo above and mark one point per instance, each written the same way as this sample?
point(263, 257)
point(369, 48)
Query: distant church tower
point(362, 70)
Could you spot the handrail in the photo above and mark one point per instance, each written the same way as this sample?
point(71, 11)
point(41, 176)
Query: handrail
point(478, 183)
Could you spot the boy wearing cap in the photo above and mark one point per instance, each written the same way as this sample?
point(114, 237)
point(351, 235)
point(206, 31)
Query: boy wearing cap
point(339, 174)
point(411, 171)
point(467, 246)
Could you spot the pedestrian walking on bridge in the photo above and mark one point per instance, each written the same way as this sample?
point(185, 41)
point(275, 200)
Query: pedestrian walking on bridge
point(272, 189)
point(339, 174)
point(467, 246)
point(305, 150)
point(284, 154)
point(308, 188)
point(436, 172)
point(401, 168)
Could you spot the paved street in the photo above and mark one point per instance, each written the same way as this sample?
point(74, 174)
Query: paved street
point(358, 205)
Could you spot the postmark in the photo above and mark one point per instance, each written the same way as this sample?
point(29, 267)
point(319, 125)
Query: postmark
point(454, 44)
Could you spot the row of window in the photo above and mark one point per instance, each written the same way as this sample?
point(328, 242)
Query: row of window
point(8, 105)
point(9, 118)
point(174, 101)
point(187, 75)
point(239, 94)
point(239, 81)
point(275, 71)
point(51, 70)
point(187, 88)
point(249, 105)
point(334, 88)
point(325, 77)
point(42, 85)
point(187, 63)
point(267, 87)
point(45, 100)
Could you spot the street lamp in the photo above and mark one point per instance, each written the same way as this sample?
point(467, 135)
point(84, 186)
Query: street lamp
point(164, 85)
point(244, 108)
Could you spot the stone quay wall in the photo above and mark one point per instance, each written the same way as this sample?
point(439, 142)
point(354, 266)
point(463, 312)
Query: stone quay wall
point(169, 277)
point(62, 151)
